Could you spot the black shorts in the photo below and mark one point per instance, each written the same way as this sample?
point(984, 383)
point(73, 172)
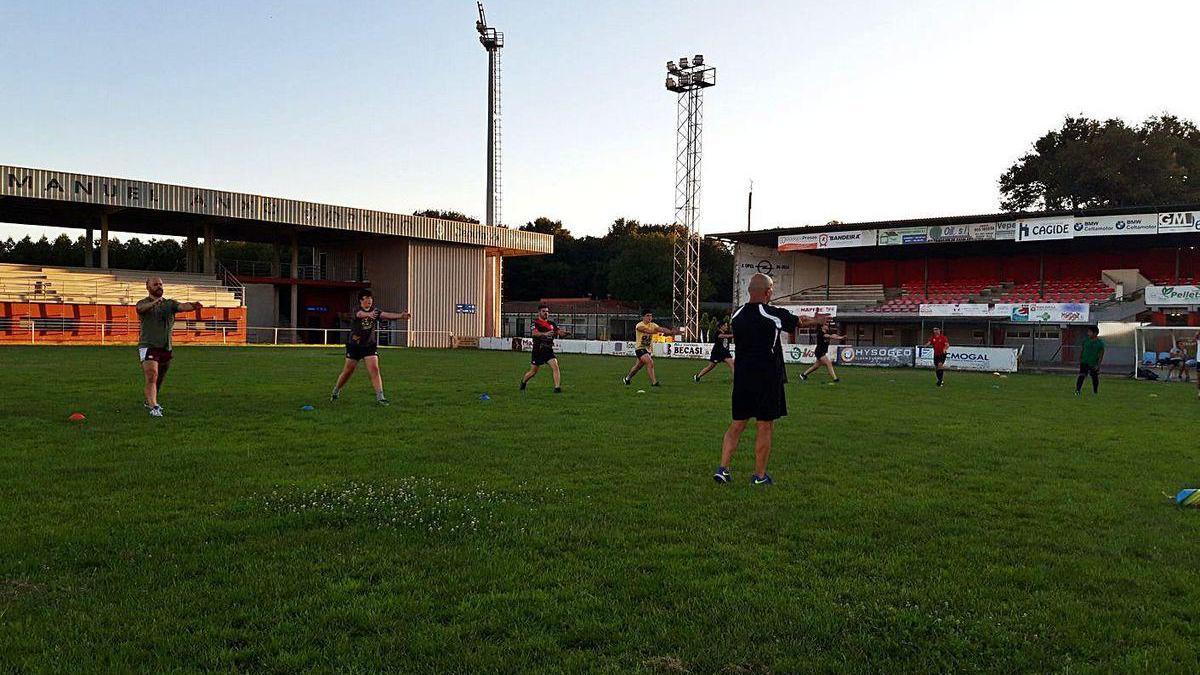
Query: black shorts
point(542, 356)
point(358, 352)
point(720, 356)
point(821, 353)
point(640, 353)
point(1085, 369)
point(939, 359)
point(758, 395)
point(156, 354)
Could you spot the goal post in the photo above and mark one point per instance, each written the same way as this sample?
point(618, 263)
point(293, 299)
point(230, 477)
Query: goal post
point(1151, 344)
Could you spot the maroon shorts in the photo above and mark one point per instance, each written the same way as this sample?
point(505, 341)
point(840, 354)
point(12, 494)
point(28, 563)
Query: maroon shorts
point(157, 354)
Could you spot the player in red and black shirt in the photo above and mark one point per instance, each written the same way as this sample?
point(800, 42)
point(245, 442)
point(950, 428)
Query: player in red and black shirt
point(363, 344)
point(544, 331)
point(720, 351)
point(941, 346)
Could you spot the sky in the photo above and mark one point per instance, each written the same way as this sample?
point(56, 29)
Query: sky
point(852, 110)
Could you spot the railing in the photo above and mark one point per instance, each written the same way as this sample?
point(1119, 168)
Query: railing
point(231, 282)
point(283, 270)
point(60, 292)
point(69, 331)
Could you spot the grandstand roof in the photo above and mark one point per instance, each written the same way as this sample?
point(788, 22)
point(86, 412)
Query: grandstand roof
point(57, 198)
point(770, 237)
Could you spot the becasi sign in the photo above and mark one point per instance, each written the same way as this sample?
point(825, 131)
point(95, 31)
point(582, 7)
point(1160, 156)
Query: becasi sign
point(1179, 222)
point(994, 359)
point(888, 357)
point(903, 235)
point(798, 242)
point(685, 350)
point(1106, 226)
point(1042, 229)
point(1172, 296)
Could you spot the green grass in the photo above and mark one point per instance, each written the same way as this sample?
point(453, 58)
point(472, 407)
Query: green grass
point(994, 525)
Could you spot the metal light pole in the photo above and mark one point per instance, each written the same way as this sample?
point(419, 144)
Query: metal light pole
point(492, 41)
point(688, 79)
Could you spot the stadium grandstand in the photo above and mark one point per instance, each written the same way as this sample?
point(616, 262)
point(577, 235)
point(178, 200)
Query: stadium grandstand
point(1025, 280)
point(447, 273)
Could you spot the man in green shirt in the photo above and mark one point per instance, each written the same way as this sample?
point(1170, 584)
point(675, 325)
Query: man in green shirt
point(157, 316)
point(1090, 358)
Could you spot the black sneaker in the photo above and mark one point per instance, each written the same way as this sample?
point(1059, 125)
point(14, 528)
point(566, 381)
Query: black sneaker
point(803, 377)
point(625, 380)
point(696, 379)
point(655, 384)
point(383, 401)
point(334, 396)
point(558, 390)
point(523, 383)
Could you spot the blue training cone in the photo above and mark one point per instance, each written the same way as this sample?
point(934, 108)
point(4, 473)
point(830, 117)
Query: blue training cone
point(307, 408)
point(1188, 497)
point(484, 397)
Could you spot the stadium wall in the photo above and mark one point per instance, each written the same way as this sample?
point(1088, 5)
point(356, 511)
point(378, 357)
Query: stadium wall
point(44, 323)
point(441, 278)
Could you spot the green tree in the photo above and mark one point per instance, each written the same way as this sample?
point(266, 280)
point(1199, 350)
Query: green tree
point(1090, 164)
point(446, 215)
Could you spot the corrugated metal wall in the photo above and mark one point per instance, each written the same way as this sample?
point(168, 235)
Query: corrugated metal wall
point(441, 276)
point(386, 261)
point(134, 194)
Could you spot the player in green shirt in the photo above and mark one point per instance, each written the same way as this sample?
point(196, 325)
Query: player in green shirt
point(157, 316)
point(1090, 358)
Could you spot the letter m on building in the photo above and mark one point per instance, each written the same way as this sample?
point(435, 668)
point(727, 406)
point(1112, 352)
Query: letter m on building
point(14, 184)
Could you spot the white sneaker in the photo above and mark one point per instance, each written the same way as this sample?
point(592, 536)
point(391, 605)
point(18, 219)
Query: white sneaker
point(156, 411)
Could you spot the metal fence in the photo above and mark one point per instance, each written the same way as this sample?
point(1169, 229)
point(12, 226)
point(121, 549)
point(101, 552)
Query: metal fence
point(69, 331)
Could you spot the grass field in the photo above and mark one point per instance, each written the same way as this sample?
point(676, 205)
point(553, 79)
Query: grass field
point(994, 525)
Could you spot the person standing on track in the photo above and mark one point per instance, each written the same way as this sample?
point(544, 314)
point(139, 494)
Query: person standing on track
point(1090, 358)
point(720, 351)
point(544, 331)
point(646, 330)
point(941, 347)
point(825, 335)
point(157, 317)
point(758, 390)
point(363, 344)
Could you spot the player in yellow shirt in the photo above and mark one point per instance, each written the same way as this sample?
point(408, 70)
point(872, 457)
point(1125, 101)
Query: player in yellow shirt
point(645, 331)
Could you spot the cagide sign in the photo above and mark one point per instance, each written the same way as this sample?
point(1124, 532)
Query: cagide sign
point(988, 359)
point(1172, 296)
point(1042, 229)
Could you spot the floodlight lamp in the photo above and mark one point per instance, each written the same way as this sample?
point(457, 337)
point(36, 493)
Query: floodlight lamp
point(683, 62)
point(698, 60)
point(670, 82)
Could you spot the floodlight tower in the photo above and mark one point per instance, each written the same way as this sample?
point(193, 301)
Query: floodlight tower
point(688, 79)
point(492, 41)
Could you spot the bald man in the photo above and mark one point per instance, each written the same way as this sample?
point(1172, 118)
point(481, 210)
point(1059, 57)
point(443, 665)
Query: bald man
point(157, 316)
point(758, 380)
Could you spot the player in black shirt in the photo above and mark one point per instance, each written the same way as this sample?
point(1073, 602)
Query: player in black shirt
point(825, 335)
point(720, 351)
point(363, 344)
point(759, 377)
point(544, 331)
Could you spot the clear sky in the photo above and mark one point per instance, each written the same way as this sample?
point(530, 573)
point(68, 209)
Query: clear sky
point(847, 110)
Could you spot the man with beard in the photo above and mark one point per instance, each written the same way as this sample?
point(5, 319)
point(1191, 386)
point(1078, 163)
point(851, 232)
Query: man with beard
point(157, 317)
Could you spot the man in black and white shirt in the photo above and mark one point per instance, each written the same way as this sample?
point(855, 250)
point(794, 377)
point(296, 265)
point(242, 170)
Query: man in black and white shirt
point(758, 380)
